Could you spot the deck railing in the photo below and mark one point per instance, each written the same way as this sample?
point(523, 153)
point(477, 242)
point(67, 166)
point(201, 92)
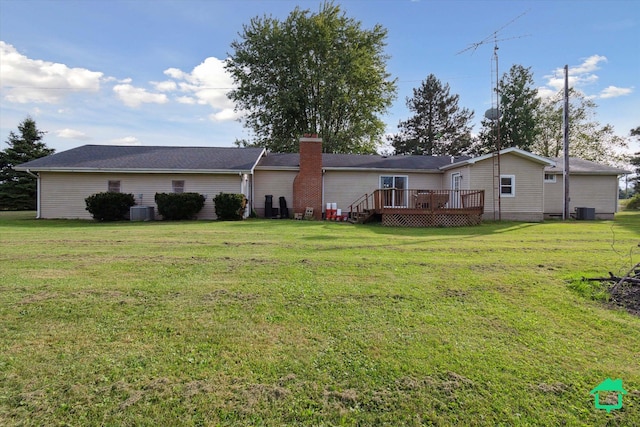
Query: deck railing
point(420, 200)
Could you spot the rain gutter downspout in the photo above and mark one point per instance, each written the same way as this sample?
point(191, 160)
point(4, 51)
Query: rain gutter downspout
point(37, 177)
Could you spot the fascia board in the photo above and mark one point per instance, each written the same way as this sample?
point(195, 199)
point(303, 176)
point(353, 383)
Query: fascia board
point(138, 171)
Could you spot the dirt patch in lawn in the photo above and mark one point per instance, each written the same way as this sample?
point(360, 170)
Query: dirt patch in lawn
point(628, 297)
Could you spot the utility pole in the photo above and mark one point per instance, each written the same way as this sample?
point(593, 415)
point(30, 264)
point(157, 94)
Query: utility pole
point(497, 175)
point(565, 124)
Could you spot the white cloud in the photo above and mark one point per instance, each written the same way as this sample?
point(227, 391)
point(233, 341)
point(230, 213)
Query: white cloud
point(580, 77)
point(134, 96)
point(186, 100)
point(165, 86)
point(72, 134)
point(225, 115)
point(207, 84)
point(614, 92)
point(33, 80)
point(176, 73)
point(127, 140)
point(589, 65)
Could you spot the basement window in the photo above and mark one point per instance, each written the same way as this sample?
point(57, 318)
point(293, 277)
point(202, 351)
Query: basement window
point(507, 185)
point(177, 186)
point(113, 187)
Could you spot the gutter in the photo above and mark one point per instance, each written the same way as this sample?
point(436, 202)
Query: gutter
point(37, 177)
point(138, 171)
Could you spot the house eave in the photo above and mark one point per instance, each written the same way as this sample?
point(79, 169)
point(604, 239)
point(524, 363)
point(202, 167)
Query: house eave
point(511, 150)
point(590, 173)
point(394, 170)
point(277, 168)
point(141, 171)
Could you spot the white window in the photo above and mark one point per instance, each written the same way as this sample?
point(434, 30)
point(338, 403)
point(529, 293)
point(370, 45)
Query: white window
point(177, 186)
point(113, 187)
point(549, 177)
point(507, 185)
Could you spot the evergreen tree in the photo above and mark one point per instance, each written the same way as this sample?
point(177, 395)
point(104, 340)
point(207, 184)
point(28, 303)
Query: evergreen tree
point(18, 189)
point(519, 110)
point(439, 126)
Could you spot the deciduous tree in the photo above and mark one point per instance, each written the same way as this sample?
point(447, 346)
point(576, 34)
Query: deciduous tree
point(588, 139)
point(312, 73)
point(438, 127)
point(18, 189)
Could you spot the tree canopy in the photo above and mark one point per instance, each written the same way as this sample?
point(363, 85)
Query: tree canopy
point(519, 110)
point(18, 189)
point(588, 139)
point(318, 73)
point(438, 127)
point(635, 160)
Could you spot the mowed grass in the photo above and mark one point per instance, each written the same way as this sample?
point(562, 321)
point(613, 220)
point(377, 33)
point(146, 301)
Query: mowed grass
point(311, 323)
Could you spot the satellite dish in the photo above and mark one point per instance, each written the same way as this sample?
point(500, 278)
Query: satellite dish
point(492, 114)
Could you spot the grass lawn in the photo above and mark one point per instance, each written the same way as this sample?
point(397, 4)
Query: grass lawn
point(312, 323)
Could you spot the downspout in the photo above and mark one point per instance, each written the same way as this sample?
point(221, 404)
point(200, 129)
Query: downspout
point(322, 197)
point(253, 183)
point(37, 177)
point(243, 190)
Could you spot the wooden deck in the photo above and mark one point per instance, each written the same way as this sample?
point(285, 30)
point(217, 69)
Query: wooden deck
point(420, 208)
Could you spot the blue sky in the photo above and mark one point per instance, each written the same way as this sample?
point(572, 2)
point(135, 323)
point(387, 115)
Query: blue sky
point(150, 72)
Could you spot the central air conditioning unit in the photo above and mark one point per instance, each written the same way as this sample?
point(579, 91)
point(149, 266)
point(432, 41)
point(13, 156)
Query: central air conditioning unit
point(141, 213)
point(586, 214)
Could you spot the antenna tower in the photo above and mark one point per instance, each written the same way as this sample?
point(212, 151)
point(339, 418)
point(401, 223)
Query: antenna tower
point(493, 113)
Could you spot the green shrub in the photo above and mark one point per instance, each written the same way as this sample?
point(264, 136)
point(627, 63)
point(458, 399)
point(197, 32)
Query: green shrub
point(109, 206)
point(229, 206)
point(179, 206)
point(633, 203)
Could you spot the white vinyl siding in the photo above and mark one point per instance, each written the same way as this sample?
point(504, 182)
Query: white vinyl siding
point(587, 191)
point(527, 204)
point(276, 183)
point(346, 187)
point(63, 194)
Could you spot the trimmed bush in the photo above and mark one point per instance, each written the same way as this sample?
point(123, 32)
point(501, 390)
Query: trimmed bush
point(179, 206)
point(229, 206)
point(109, 206)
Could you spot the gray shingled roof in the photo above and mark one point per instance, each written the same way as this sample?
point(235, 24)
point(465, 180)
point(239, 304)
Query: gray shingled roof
point(580, 166)
point(141, 158)
point(359, 161)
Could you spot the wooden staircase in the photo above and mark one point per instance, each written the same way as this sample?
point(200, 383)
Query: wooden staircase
point(361, 217)
point(362, 210)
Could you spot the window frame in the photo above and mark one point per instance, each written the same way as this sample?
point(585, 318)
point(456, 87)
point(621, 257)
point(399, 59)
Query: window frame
point(511, 185)
point(114, 186)
point(553, 177)
point(178, 186)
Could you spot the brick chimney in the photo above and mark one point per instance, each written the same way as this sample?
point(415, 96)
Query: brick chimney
point(307, 185)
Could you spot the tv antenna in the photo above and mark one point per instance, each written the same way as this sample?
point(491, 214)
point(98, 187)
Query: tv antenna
point(493, 114)
point(493, 37)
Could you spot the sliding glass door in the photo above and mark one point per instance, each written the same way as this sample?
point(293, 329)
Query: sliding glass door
point(394, 186)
